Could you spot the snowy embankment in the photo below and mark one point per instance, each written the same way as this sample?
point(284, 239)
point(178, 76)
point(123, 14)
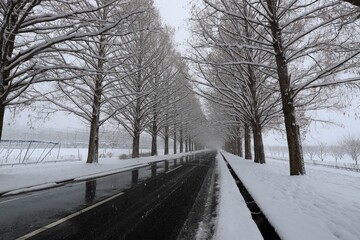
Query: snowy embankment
point(234, 220)
point(345, 164)
point(24, 178)
point(323, 205)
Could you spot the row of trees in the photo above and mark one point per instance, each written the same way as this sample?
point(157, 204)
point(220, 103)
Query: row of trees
point(347, 146)
point(269, 64)
point(104, 61)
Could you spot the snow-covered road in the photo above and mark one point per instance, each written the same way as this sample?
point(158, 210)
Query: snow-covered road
point(31, 177)
point(150, 202)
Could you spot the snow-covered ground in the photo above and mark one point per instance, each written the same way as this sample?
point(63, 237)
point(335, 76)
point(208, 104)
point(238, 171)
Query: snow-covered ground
point(323, 205)
point(233, 219)
point(345, 162)
point(23, 155)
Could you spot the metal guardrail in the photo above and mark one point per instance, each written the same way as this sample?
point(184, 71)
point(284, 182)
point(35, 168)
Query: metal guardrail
point(16, 152)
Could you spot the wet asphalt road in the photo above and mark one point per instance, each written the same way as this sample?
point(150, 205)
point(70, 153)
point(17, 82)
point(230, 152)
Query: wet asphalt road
point(147, 203)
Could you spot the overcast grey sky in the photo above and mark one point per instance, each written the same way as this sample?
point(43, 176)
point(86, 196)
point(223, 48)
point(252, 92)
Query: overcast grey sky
point(175, 13)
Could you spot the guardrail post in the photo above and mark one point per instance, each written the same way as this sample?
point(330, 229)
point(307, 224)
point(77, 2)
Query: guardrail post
point(27, 150)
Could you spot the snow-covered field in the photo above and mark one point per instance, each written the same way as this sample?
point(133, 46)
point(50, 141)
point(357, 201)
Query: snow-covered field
point(18, 156)
point(323, 205)
point(345, 162)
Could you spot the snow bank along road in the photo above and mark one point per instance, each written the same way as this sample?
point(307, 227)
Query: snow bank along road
point(322, 205)
point(267, 230)
point(146, 203)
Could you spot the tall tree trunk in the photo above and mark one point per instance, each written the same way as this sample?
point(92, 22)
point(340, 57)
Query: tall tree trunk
point(235, 146)
point(258, 144)
point(186, 145)
point(247, 142)
point(154, 133)
point(228, 146)
point(293, 139)
point(190, 144)
point(2, 116)
point(136, 146)
point(136, 142)
point(255, 124)
point(3, 98)
point(292, 129)
point(7, 49)
point(240, 148)
point(175, 134)
point(154, 144)
point(181, 141)
point(166, 140)
point(93, 150)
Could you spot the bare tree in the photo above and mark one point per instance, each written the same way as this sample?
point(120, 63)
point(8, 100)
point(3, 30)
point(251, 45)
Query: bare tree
point(195, 125)
point(30, 34)
point(295, 33)
point(351, 146)
point(141, 90)
point(337, 152)
point(90, 92)
point(311, 152)
point(173, 106)
point(170, 86)
point(228, 69)
point(322, 151)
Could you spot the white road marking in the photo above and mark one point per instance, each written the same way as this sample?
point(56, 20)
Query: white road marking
point(67, 218)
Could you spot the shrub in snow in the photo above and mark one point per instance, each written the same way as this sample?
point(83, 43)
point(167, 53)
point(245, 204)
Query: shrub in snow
point(310, 152)
point(351, 147)
point(322, 151)
point(337, 152)
point(123, 156)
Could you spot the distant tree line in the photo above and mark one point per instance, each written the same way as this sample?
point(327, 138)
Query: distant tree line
point(349, 145)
